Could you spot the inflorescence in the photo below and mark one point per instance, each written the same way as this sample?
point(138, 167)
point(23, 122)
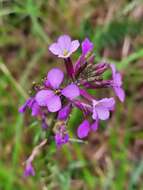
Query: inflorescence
point(59, 94)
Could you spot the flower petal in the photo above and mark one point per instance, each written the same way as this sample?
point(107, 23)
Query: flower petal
point(55, 49)
point(55, 77)
point(42, 97)
point(71, 91)
point(35, 109)
point(95, 125)
point(118, 79)
point(113, 68)
point(94, 114)
point(108, 103)
point(83, 129)
point(54, 103)
point(102, 112)
point(23, 108)
point(120, 93)
point(64, 42)
point(74, 46)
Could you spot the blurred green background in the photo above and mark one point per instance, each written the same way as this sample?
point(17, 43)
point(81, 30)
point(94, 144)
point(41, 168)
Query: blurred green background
point(113, 157)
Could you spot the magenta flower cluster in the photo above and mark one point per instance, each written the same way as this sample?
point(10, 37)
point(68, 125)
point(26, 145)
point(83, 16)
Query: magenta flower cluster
point(60, 93)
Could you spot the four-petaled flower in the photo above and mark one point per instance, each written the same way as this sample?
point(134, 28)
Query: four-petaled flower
point(64, 46)
point(51, 97)
point(102, 108)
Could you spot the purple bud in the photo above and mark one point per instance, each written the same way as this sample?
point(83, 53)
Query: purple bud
point(61, 137)
point(29, 170)
point(83, 129)
point(87, 46)
point(64, 112)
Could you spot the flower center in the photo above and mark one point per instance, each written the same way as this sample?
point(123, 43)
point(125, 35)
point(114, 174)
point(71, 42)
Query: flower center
point(65, 52)
point(57, 92)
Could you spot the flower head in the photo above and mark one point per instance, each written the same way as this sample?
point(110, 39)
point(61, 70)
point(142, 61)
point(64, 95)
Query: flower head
point(57, 95)
point(51, 97)
point(29, 170)
point(117, 83)
point(64, 46)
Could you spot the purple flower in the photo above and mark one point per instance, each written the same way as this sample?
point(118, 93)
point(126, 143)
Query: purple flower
point(117, 84)
point(29, 170)
point(61, 137)
point(87, 46)
point(64, 46)
point(102, 108)
point(51, 97)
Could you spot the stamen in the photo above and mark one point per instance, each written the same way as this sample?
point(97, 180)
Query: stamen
point(65, 52)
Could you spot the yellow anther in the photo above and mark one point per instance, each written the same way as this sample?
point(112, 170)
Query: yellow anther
point(65, 52)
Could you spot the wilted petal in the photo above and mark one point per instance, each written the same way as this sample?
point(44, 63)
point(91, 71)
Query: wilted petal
point(87, 46)
point(95, 125)
point(55, 49)
point(54, 104)
point(64, 112)
point(83, 129)
point(102, 112)
point(120, 93)
point(71, 91)
point(74, 46)
point(42, 97)
point(55, 77)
